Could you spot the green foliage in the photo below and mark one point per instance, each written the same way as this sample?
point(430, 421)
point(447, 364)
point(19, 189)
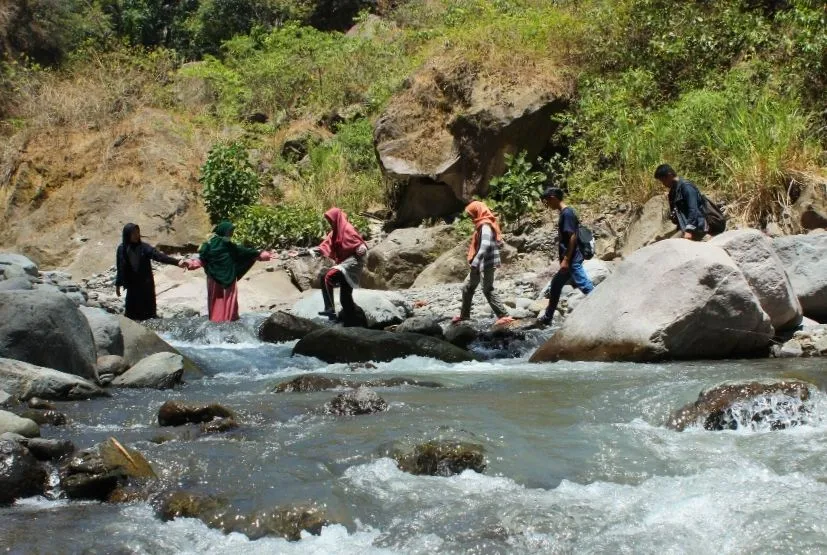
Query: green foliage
point(286, 225)
point(518, 190)
point(230, 182)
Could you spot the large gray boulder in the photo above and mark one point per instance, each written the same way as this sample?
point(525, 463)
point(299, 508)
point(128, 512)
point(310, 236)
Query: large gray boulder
point(753, 253)
point(361, 345)
point(450, 267)
point(24, 381)
point(12, 259)
point(140, 342)
point(10, 422)
point(396, 262)
point(158, 371)
point(106, 330)
point(382, 308)
point(672, 300)
point(805, 260)
point(21, 475)
point(16, 284)
point(46, 329)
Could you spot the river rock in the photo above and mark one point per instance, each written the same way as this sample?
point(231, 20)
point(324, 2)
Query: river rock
point(95, 473)
point(421, 325)
point(315, 382)
point(442, 458)
point(285, 522)
point(106, 330)
point(676, 299)
point(381, 308)
point(158, 371)
point(16, 284)
point(283, 326)
point(140, 342)
point(25, 381)
point(112, 365)
point(397, 261)
point(450, 267)
point(776, 404)
point(21, 475)
point(44, 417)
point(177, 413)
point(11, 259)
point(805, 260)
point(753, 252)
point(32, 320)
point(219, 425)
point(360, 401)
point(10, 422)
point(40, 404)
point(461, 334)
point(358, 345)
point(50, 449)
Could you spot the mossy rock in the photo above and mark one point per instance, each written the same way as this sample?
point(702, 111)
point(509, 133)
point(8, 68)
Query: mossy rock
point(442, 458)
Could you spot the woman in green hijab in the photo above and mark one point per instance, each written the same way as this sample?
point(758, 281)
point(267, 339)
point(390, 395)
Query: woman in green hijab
point(225, 263)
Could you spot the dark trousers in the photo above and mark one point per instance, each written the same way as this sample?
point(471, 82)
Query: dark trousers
point(577, 276)
point(330, 279)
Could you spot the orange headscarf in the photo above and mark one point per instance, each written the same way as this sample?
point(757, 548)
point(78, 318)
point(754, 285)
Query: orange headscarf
point(481, 214)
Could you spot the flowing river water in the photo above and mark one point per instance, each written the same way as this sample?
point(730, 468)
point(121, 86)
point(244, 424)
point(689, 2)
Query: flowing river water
point(578, 460)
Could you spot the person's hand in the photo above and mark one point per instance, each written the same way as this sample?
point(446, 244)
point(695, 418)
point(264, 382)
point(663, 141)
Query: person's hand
point(687, 235)
point(183, 264)
point(265, 256)
point(564, 265)
point(117, 291)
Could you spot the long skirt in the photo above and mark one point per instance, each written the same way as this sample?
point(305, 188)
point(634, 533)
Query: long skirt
point(222, 302)
point(140, 301)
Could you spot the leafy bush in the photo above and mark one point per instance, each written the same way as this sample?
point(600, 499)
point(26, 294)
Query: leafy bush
point(229, 180)
point(286, 225)
point(518, 190)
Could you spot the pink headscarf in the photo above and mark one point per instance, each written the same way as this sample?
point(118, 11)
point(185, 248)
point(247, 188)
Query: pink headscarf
point(343, 240)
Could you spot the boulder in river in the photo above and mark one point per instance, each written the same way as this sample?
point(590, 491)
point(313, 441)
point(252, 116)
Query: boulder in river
point(47, 329)
point(112, 365)
point(382, 308)
point(442, 458)
point(10, 422)
point(805, 259)
point(753, 253)
point(396, 262)
point(140, 342)
point(21, 475)
point(316, 382)
point(461, 334)
point(25, 380)
point(95, 473)
point(775, 406)
point(675, 299)
point(360, 345)
point(158, 371)
point(357, 402)
point(177, 413)
point(422, 325)
point(282, 326)
point(106, 330)
point(219, 425)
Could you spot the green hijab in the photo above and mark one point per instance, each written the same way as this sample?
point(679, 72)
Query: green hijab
point(224, 261)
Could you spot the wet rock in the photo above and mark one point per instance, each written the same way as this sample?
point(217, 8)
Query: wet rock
point(40, 404)
point(399, 381)
point(311, 382)
point(113, 365)
point(25, 381)
point(284, 522)
point(95, 473)
point(282, 326)
point(461, 334)
point(10, 422)
point(106, 331)
point(778, 405)
point(21, 475)
point(44, 417)
point(396, 262)
point(158, 371)
point(422, 325)
point(442, 458)
point(50, 449)
point(32, 320)
point(176, 413)
point(805, 260)
point(357, 402)
point(360, 345)
point(219, 425)
point(690, 301)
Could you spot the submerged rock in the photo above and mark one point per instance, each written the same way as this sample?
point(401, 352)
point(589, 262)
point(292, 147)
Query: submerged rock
point(315, 382)
point(21, 475)
point(219, 425)
point(731, 406)
point(357, 402)
point(360, 345)
point(177, 413)
point(284, 522)
point(95, 473)
point(158, 371)
point(442, 458)
point(282, 326)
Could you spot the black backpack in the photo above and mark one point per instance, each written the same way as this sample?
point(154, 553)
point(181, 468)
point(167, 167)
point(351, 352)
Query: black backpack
point(585, 240)
point(715, 219)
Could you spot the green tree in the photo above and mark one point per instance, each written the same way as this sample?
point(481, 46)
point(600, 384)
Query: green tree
point(230, 182)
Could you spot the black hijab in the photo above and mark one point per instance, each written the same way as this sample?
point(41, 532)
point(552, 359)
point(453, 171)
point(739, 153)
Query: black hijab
point(131, 252)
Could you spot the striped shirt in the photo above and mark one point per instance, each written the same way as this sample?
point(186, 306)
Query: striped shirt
point(488, 252)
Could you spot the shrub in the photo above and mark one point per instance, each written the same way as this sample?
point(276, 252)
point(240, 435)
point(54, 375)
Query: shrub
point(518, 190)
point(229, 180)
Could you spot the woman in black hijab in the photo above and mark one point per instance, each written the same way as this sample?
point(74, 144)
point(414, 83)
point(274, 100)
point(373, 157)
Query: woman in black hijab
point(134, 264)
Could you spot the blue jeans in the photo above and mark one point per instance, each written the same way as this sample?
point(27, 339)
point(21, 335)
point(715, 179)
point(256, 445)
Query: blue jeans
point(577, 276)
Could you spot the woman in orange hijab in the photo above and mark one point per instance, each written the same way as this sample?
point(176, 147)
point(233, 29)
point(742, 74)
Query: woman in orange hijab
point(484, 258)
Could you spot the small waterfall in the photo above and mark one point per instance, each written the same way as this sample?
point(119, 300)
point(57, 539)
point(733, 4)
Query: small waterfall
point(200, 331)
point(765, 413)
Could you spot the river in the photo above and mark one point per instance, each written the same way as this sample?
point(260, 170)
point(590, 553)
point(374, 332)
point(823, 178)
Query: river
point(578, 460)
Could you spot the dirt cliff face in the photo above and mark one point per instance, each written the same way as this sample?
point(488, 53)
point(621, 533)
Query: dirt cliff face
point(65, 194)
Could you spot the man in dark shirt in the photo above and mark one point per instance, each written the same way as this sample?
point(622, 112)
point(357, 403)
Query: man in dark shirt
point(686, 205)
point(571, 259)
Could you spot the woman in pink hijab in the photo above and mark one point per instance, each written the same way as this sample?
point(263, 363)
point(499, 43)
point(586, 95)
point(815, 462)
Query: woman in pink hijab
point(345, 246)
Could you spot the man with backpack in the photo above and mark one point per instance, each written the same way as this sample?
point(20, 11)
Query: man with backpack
point(570, 253)
point(692, 212)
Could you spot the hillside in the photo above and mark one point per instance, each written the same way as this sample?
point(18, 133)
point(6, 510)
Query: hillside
point(109, 109)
